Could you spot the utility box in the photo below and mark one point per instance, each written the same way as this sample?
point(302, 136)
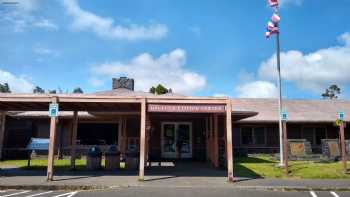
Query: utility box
point(93, 159)
point(112, 158)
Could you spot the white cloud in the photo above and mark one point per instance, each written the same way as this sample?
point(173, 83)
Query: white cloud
point(105, 27)
point(220, 95)
point(17, 84)
point(27, 5)
point(20, 16)
point(45, 24)
point(314, 71)
point(96, 82)
point(257, 89)
point(168, 69)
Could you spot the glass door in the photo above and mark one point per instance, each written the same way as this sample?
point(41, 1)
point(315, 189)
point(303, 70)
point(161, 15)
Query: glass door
point(184, 140)
point(168, 141)
point(176, 140)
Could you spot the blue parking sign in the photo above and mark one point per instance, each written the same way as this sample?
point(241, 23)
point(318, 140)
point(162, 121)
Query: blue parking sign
point(341, 115)
point(284, 115)
point(53, 110)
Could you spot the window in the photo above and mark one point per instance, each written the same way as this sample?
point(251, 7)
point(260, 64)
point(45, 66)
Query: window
point(308, 134)
point(259, 135)
point(247, 135)
point(253, 135)
point(314, 134)
point(320, 134)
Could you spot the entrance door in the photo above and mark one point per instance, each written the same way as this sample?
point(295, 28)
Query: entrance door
point(176, 140)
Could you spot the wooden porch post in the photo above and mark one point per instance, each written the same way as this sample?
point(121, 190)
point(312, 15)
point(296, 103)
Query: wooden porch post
point(207, 139)
point(285, 148)
point(142, 139)
point(51, 158)
point(211, 127)
point(216, 141)
point(229, 140)
point(2, 132)
point(343, 148)
point(124, 136)
point(74, 140)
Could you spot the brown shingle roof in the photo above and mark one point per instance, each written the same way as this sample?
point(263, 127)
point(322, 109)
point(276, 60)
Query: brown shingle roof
point(298, 110)
point(127, 92)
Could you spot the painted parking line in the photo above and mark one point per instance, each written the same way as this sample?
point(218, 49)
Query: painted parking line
point(38, 194)
point(70, 194)
point(18, 193)
point(334, 194)
point(313, 194)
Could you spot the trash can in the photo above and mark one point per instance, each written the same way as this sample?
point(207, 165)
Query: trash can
point(112, 158)
point(132, 160)
point(94, 157)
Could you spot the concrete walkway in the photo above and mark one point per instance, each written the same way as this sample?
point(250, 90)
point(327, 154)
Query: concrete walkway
point(103, 181)
point(186, 175)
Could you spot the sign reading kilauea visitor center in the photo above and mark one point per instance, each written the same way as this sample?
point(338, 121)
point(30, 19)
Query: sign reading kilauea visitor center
point(186, 108)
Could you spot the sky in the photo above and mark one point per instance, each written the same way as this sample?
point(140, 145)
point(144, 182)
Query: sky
point(197, 47)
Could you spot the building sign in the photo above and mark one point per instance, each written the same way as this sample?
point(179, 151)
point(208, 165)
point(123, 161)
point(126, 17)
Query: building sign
point(297, 149)
point(53, 110)
point(341, 116)
point(284, 115)
point(187, 108)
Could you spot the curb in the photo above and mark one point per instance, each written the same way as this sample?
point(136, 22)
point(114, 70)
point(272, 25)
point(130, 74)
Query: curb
point(102, 187)
point(53, 187)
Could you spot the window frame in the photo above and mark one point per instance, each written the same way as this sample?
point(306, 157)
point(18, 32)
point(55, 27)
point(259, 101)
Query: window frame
point(314, 128)
point(253, 135)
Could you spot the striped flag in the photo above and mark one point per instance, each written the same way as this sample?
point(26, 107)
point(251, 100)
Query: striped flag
point(268, 34)
point(275, 18)
point(273, 3)
point(270, 26)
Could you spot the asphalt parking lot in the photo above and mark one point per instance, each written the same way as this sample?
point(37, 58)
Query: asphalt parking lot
point(172, 192)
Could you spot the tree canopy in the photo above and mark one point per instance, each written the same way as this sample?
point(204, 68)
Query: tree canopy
point(38, 90)
point(159, 89)
point(5, 88)
point(78, 90)
point(332, 92)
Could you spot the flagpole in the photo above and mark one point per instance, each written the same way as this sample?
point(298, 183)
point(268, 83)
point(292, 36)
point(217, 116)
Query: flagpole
point(278, 51)
point(280, 97)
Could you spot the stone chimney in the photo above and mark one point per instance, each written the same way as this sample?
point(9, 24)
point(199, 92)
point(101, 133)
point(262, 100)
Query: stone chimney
point(123, 82)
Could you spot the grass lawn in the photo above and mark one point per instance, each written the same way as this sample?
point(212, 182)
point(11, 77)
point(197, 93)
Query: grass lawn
point(254, 167)
point(41, 164)
point(263, 166)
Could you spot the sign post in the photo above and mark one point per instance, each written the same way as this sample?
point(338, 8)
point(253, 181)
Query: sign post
point(340, 122)
point(53, 113)
point(284, 118)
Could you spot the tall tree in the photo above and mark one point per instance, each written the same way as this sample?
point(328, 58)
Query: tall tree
point(5, 88)
point(38, 90)
point(78, 90)
point(332, 92)
point(160, 89)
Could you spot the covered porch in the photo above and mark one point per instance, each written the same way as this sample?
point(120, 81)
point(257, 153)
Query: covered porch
point(207, 122)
